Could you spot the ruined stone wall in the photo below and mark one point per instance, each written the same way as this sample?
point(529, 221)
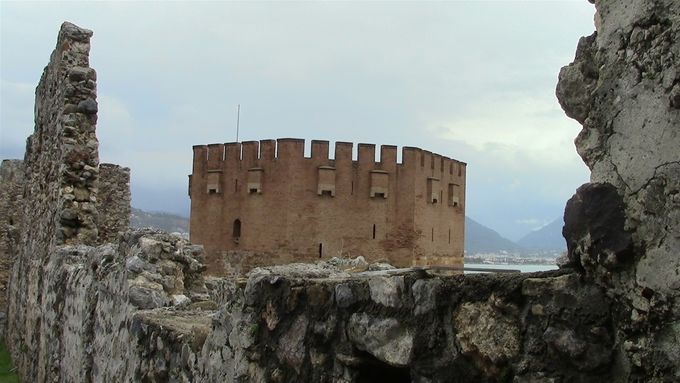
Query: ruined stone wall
point(319, 324)
point(113, 204)
point(623, 229)
point(113, 207)
point(62, 157)
point(11, 193)
point(140, 311)
point(61, 171)
point(90, 297)
point(328, 326)
point(60, 180)
point(291, 208)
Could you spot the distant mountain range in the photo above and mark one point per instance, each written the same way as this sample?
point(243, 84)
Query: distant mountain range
point(479, 239)
point(159, 220)
point(548, 237)
point(546, 241)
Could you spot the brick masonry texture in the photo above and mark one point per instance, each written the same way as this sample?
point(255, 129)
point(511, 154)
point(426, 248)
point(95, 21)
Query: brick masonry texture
point(262, 203)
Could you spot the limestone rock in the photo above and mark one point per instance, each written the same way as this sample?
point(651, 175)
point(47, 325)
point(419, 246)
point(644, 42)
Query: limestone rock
point(486, 335)
point(624, 228)
point(386, 339)
point(387, 291)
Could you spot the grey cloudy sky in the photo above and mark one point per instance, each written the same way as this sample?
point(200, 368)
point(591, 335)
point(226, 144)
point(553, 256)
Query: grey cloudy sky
point(470, 80)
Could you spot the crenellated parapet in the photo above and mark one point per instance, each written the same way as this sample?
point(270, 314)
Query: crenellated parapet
point(214, 156)
point(313, 201)
point(254, 158)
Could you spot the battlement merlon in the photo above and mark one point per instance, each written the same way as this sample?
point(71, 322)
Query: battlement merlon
point(343, 152)
point(215, 156)
point(290, 149)
point(366, 155)
point(320, 150)
point(267, 150)
point(388, 157)
point(250, 153)
point(254, 153)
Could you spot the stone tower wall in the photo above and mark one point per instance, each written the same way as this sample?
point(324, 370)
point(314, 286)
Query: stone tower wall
point(292, 208)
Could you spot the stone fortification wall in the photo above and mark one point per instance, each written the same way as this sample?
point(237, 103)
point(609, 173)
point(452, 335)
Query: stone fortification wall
point(113, 207)
point(59, 183)
point(11, 193)
point(62, 157)
point(91, 297)
point(140, 311)
point(113, 203)
point(60, 175)
point(623, 229)
point(325, 325)
point(291, 208)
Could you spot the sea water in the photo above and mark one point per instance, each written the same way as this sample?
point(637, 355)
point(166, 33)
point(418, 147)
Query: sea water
point(522, 268)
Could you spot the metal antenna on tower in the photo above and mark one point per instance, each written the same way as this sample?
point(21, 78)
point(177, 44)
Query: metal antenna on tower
point(238, 119)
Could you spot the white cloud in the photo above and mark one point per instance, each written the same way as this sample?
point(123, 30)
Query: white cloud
point(514, 128)
point(531, 221)
point(16, 115)
point(116, 129)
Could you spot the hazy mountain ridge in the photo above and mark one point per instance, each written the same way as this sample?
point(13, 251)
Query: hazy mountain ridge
point(549, 237)
point(481, 239)
point(159, 220)
point(544, 242)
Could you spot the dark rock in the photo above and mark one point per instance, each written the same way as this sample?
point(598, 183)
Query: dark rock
point(594, 220)
point(77, 74)
point(565, 341)
point(88, 106)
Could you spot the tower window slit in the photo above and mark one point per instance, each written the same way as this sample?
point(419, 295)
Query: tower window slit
point(236, 230)
point(373, 231)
